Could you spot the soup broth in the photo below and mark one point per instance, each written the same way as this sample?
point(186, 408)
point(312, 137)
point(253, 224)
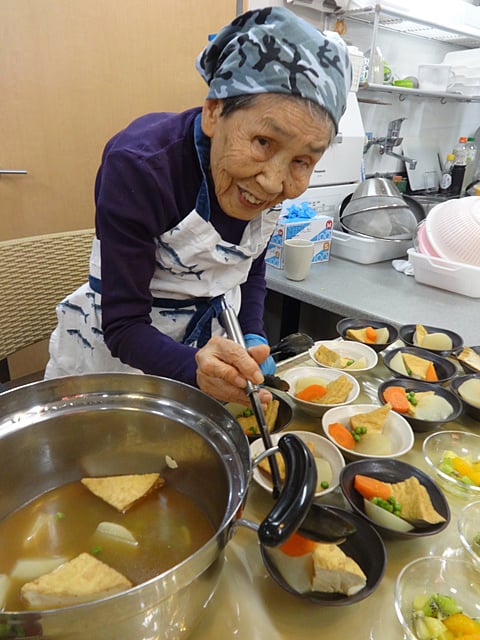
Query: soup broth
point(62, 523)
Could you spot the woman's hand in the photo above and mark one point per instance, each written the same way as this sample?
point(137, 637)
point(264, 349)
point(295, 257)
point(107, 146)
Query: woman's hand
point(223, 368)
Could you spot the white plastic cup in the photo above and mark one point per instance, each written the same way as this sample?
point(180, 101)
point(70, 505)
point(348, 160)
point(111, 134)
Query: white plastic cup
point(298, 258)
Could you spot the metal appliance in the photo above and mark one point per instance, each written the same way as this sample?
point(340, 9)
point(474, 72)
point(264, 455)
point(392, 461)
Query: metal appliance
point(340, 170)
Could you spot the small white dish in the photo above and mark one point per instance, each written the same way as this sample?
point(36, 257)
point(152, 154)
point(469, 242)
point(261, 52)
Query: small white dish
point(323, 449)
point(397, 431)
point(327, 375)
point(349, 349)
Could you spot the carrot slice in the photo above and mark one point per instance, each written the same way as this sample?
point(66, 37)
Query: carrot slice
point(397, 397)
point(371, 487)
point(431, 375)
point(341, 435)
point(297, 545)
point(370, 335)
point(312, 393)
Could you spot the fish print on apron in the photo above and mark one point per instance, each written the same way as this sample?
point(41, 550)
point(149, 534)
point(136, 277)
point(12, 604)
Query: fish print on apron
point(194, 266)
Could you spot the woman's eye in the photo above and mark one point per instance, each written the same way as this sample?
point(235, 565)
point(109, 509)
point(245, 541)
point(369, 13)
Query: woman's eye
point(303, 163)
point(263, 142)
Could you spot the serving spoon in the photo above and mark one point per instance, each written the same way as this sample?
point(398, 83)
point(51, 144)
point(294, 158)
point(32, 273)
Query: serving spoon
point(291, 345)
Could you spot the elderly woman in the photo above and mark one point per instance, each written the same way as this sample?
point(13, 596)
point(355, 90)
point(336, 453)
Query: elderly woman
point(186, 203)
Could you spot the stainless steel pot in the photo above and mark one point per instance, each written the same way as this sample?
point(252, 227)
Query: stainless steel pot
point(60, 430)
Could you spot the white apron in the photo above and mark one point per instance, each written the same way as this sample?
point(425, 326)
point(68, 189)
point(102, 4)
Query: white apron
point(193, 267)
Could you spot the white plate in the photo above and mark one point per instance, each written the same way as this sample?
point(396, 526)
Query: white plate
point(397, 429)
point(347, 349)
point(322, 448)
point(328, 375)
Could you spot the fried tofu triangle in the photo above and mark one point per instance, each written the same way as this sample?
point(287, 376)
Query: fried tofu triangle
point(334, 571)
point(80, 580)
point(122, 492)
point(416, 505)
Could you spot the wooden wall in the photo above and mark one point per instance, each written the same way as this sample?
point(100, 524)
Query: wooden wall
point(74, 72)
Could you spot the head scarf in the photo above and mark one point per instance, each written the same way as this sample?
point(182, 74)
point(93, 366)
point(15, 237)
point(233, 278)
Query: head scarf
point(271, 50)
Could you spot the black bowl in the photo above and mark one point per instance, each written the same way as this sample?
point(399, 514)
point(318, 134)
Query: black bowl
point(467, 367)
point(446, 369)
point(407, 331)
point(390, 470)
point(365, 546)
point(470, 409)
point(284, 416)
point(418, 424)
point(359, 323)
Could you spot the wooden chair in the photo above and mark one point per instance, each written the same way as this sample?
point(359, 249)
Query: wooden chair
point(35, 274)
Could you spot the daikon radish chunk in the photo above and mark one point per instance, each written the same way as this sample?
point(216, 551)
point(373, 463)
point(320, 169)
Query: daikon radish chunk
point(361, 363)
point(432, 407)
point(374, 444)
point(382, 335)
point(437, 341)
point(470, 391)
point(43, 526)
point(397, 364)
point(30, 568)
point(302, 383)
point(4, 586)
point(386, 519)
point(116, 531)
point(324, 473)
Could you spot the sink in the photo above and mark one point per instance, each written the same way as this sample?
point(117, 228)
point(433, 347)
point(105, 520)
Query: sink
point(428, 201)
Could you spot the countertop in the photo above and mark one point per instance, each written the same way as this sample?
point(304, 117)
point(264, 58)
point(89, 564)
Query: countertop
point(379, 292)
point(248, 604)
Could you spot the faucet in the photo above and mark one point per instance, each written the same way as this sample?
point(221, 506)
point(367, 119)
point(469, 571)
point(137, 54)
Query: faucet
point(387, 144)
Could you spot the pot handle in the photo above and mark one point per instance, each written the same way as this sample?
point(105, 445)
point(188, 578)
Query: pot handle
point(297, 493)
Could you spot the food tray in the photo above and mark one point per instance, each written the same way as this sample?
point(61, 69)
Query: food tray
point(366, 250)
point(444, 274)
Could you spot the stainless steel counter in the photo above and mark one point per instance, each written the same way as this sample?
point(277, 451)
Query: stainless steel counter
point(379, 292)
point(248, 605)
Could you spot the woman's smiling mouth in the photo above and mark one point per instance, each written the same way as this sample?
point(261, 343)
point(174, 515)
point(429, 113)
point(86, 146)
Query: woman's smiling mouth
point(250, 198)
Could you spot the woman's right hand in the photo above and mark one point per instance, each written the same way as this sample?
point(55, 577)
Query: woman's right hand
point(223, 368)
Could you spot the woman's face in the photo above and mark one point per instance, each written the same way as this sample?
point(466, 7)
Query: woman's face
point(264, 153)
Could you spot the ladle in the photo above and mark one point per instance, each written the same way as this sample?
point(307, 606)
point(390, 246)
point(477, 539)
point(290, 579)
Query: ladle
point(322, 523)
point(291, 345)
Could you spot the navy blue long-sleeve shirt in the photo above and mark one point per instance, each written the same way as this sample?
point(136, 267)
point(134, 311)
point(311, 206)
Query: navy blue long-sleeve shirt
point(148, 181)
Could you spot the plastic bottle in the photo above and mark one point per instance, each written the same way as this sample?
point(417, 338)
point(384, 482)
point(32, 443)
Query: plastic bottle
point(470, 163)
point(476, 169)
point(446, 179)
point(459, 165)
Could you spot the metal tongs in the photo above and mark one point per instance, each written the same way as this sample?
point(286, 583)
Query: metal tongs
point(230, 322)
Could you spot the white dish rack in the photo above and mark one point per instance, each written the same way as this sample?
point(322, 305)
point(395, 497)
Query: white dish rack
point(443, 274)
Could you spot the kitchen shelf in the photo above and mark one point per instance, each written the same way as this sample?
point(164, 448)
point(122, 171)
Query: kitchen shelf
point(404, 92)
point(380, 17)
point(386, 18)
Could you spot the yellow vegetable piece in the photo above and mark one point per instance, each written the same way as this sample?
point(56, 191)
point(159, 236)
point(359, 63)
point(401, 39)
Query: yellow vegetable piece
point(461, 466)
point(460, 625)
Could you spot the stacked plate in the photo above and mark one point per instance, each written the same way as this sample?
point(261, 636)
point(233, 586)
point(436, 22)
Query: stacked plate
point(465, 69)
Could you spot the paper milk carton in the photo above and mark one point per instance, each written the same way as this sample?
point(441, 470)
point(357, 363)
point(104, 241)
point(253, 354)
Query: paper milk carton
point(301, 222)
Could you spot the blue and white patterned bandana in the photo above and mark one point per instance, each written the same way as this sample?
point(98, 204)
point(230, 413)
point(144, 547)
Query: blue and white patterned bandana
point(271, 50)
